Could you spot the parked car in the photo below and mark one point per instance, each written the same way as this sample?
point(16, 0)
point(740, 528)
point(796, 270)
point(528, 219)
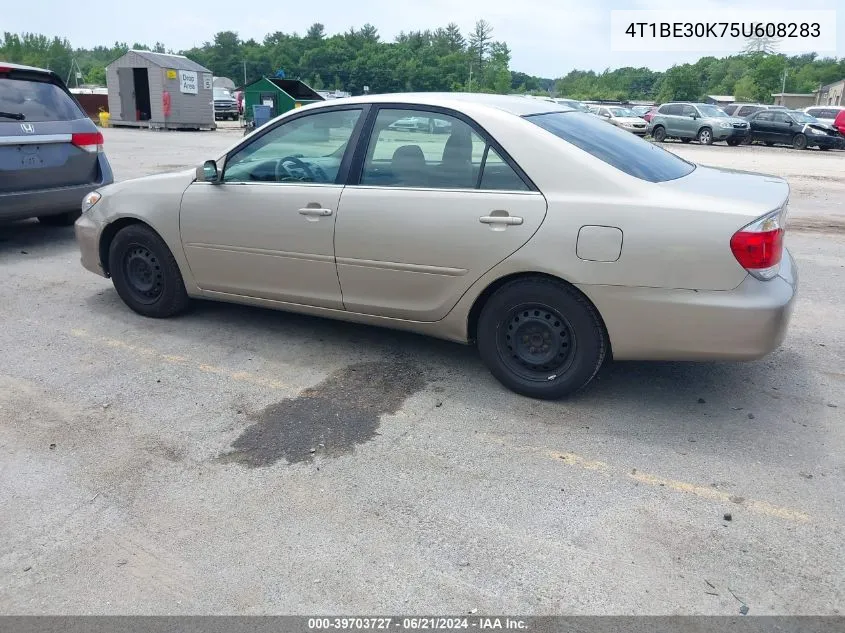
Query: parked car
point(51, 153)
point(747, 109)
point(624, 118)
point(507, 233)
point(421, 124)
point(225, 105)
point(839, 122)
point(572, 103)
point(797, 129)
point(825, 114)
point(700, 121)
point(640, 110)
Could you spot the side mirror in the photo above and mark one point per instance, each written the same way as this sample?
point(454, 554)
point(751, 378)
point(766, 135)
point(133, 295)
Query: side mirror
point(790, 123)
point(694, 115)
point(208, 172)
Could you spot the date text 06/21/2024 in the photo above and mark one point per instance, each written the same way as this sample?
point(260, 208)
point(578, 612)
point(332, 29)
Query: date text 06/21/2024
point(416, 623)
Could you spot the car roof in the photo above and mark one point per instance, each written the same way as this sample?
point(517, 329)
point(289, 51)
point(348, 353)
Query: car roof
point(11, 66)
point(517, 105)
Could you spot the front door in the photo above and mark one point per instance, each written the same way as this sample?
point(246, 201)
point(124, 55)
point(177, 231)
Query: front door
point(433, 211)
point(761, 126)
point(782, 127)
point(126, 90)
point(267, 230)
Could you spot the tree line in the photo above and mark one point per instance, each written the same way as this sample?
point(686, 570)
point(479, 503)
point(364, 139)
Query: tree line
point(442, 59)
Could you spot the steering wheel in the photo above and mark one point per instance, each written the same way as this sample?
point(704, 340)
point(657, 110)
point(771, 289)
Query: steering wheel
point(282, 170)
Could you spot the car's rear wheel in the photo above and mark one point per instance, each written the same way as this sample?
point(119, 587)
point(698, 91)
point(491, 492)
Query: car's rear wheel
point(60, 219)
point(541, 338)
point(799, 141)
point(705, 136)
point(659, 133)
point(145, 273)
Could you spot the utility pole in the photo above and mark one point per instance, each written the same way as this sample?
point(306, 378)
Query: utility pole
point(469, 85)
point(783, 84)
point(244, 73)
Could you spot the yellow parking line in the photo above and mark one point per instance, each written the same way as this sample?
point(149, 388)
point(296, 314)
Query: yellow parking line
point(173, 359)
point(705, 492)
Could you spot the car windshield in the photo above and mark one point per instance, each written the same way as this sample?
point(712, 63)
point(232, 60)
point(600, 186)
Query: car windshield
point(616, 147)
point(36, 101)
point(622, 112)
point(222, 93)
point(802, 117)
point(711, 111)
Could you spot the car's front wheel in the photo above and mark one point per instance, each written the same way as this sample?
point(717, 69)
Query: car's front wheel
point(799, 141)
point(733, 142)
point(705, 136)
point(60, 219)
point(541, 338)
point(145, 273)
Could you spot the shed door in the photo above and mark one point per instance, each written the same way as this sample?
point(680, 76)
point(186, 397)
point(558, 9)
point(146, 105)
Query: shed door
point(126, 89)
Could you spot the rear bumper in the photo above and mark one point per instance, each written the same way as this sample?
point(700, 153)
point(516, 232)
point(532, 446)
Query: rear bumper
point(88, 239)
point(745, 323)
point(18, 205)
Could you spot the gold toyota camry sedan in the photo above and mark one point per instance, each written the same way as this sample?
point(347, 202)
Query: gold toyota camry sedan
point(546, 237)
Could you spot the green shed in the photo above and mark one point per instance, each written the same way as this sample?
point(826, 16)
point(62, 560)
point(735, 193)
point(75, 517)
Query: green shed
point(281, 94)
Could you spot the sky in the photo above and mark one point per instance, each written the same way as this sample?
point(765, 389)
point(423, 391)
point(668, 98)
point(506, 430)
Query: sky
point(547, 37)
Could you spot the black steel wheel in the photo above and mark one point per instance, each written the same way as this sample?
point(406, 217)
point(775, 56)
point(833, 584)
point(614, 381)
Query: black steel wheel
point(799, 141)
point(145, 273)
point(541, 337)
point(659, 133)
point(536, 341)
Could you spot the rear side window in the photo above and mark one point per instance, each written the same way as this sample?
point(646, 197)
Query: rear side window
point(764, 116)
point(670, 109)
point(618, 148)
point(729, 109)
point(36, 101)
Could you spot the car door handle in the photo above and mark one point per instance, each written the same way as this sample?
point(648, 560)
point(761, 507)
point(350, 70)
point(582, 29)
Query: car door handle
point(315, 212)
point(509, 220)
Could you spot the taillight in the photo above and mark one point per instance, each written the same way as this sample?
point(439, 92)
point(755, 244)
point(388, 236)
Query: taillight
point(758, 247)
point(88, 141)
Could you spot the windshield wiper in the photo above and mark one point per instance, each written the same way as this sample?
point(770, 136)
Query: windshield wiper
point(17, 116)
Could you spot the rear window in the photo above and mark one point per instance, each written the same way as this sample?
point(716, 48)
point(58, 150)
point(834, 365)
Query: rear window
point(36, 101)
point(623, 150)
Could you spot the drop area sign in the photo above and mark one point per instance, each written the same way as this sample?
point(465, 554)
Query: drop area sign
point(188, 82)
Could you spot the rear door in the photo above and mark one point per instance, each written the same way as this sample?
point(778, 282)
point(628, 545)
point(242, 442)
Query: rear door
point(46, 140)
point(672, 119)
point(761, 126)
point(426, 214)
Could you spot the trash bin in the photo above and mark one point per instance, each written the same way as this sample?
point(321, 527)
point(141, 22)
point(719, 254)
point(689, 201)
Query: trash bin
point(261, 114)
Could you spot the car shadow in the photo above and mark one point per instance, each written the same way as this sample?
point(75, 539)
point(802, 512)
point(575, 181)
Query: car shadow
point(33, 237)
point(674, 399)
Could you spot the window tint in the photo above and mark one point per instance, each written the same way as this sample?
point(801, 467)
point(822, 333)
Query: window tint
point(780, 117)
point(730, 109)
point(306, 149)
point(500, 176)
point(623, 150)
point(688, 110)
point(670, 109)
point(37, 101)
point(415, 148)
point(764, 116)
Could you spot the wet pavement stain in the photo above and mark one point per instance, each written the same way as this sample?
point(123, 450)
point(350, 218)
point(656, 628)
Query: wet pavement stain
point(328, 419)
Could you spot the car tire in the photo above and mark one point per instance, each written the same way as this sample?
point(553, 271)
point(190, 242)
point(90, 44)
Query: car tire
point(562, 342)
point(769, 144)
point(60, 219)
point(799, 141)
point(733, 142)
point(145, 273)
point(824, 149)
point(705, 136)
point(659, 133)
point(685, 140)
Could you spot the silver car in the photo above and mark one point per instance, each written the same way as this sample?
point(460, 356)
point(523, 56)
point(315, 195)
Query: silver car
point(51, 153)
point(697, 121)
point(550, 239)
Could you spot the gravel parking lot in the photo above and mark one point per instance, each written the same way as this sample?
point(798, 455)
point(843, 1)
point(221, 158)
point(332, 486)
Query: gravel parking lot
point(412, 482)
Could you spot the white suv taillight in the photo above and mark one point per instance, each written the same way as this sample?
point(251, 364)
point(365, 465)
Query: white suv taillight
point(88, 141)
point(758, 247)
